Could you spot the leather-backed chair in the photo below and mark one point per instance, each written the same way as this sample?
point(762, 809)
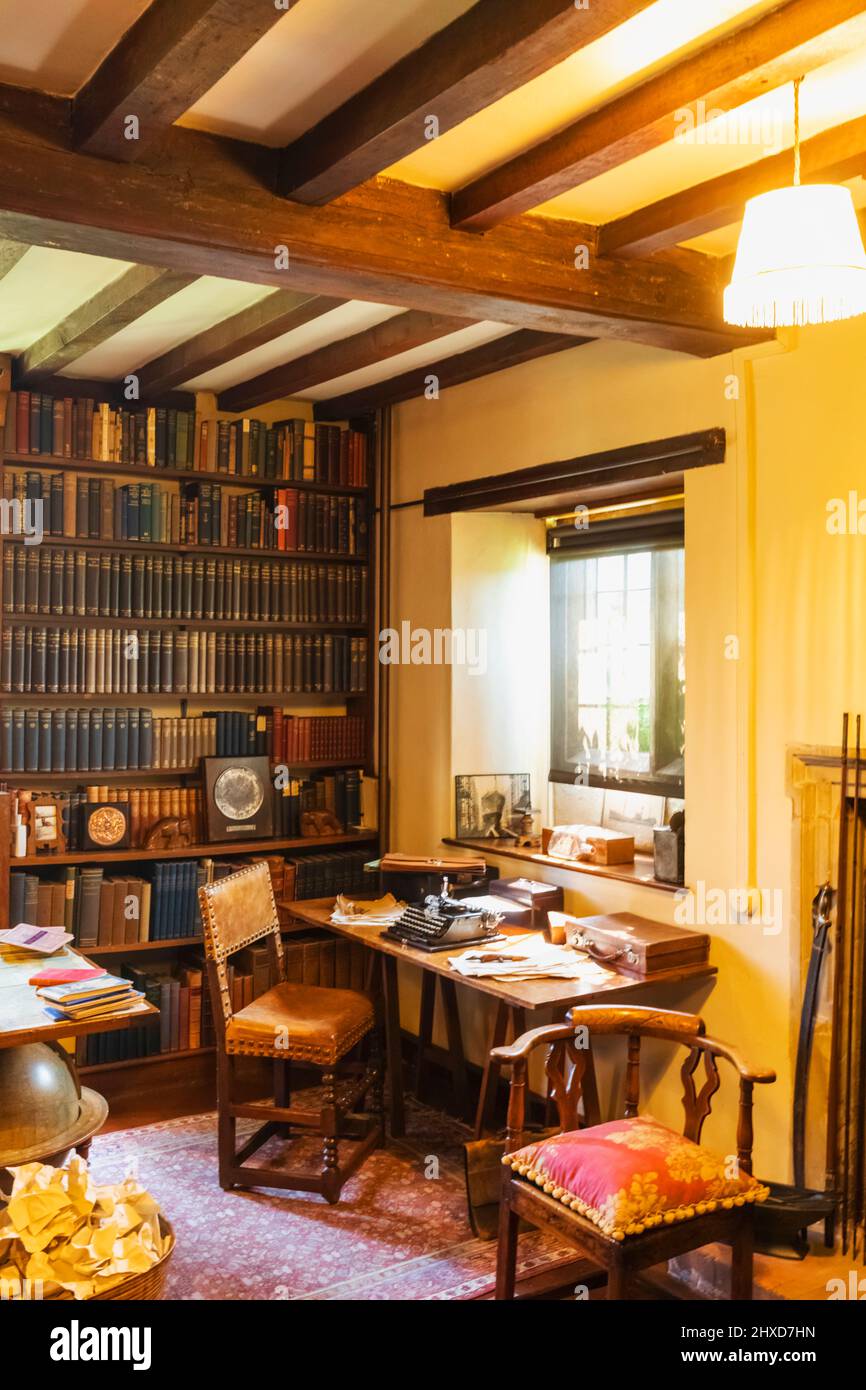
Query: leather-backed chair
point(289, 1023)
point(630, 1193)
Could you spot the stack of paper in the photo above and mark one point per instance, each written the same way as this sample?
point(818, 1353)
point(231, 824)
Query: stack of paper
point(380, 913)
point(88, 999)
point(43, 940)
point(527, 958)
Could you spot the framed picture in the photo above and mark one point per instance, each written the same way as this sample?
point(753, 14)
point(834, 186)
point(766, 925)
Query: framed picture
point(105, 825)
point(488, 805)
point(238, 798)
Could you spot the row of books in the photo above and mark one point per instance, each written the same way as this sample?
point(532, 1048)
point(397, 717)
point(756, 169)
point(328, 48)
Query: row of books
point(118, 740)
point(161, 904)
point(75, 740)
point(185, 1020)
point(79, 507)
point(165, 437)
point(315, 738)
point(338, 792)
point(109, 910)
point(125, 661)
point(50, 581)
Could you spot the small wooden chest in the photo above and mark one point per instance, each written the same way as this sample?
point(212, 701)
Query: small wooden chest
point(539, 898)
point(637, 944)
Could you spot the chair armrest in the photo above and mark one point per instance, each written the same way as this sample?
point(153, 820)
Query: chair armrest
point(760, 1076)
point(527, 1042)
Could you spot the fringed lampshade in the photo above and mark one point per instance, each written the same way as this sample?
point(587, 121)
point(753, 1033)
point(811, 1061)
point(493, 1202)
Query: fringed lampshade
point(800, 259)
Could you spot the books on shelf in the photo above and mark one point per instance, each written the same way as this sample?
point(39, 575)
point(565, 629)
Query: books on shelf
point(102, 909)
point(190, 661)
point(165, 437)
point(53, 582)
point(132, 739)
point(78, 507)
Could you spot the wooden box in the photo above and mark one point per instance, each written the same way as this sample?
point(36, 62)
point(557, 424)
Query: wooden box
point(593, 844)
point(539, 898)
point(636, 944)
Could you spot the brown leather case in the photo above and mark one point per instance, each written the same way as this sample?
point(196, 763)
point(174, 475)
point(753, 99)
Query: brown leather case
point(637, 944)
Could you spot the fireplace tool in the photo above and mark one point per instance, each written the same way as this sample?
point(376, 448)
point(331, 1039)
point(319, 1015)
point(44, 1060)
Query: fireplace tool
point(782, 1222)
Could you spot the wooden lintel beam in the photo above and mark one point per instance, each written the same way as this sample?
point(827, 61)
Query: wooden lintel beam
point(364, 349)
point(174, 52)
point(479, 57)
point(790, 40)
point(115, 307)
point(250, 328)
point(646, 461)
point(509, 351)
point(833, 156)
point(387, 242)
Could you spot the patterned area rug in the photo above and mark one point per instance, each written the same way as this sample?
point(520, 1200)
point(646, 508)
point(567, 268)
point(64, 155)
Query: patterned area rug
point(400, 1230)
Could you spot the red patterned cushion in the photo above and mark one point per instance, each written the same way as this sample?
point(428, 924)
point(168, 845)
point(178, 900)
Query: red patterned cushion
point(630, 1175)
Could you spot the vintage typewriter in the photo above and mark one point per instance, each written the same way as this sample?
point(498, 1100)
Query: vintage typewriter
point(441, 923)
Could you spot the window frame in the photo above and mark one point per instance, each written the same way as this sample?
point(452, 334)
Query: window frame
point(655, 531)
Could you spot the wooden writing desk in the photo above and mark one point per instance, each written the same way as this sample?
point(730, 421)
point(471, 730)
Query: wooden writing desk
point(514, 1000)
point(22, 1013)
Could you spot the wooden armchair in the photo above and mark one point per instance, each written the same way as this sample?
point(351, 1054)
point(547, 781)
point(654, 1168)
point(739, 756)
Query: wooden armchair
point(596, 1160)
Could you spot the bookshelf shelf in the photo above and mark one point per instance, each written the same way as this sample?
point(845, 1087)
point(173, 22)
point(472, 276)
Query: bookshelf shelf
point(52, 463)
point(217, 850)
point(130, 1062)
point(100, 777)
point(258, 552)
point(213, 624)
point(250, 697)
point(133, 948)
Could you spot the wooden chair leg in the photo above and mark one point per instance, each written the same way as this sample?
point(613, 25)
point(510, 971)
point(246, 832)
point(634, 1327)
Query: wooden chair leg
point(742, 1259)
point(506, 1253)
point(226, 1123)
point(283, 1093)
point(377, 1089)
point(617, 1278)
point(330, 1175)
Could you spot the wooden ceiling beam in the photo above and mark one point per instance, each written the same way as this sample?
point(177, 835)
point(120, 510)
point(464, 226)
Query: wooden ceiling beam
point(115, 307)
point(479, 57)
point(510, 351)
point(832, 156)
point(250, 328)
point(399, 334)
point(201, 211)
point(174, 53)
point(791, 40)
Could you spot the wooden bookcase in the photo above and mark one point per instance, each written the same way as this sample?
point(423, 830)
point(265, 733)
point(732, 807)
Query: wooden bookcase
point(184, 704)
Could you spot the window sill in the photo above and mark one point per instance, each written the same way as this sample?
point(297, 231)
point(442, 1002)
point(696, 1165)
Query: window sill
point(640, 872)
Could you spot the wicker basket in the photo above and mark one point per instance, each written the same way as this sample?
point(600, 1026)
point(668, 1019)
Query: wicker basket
point(146, 1287)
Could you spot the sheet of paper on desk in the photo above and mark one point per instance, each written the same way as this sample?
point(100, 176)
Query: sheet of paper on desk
point(380, 913)
point(527, 958)
point(43, 940)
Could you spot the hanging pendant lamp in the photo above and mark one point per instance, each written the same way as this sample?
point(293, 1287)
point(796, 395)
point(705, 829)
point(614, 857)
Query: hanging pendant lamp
point(800, 257)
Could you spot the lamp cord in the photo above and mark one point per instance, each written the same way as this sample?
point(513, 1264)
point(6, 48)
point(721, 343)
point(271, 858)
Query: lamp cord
point(797, 81)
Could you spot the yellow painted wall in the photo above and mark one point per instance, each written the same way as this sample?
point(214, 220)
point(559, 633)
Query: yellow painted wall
point(760, 568)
